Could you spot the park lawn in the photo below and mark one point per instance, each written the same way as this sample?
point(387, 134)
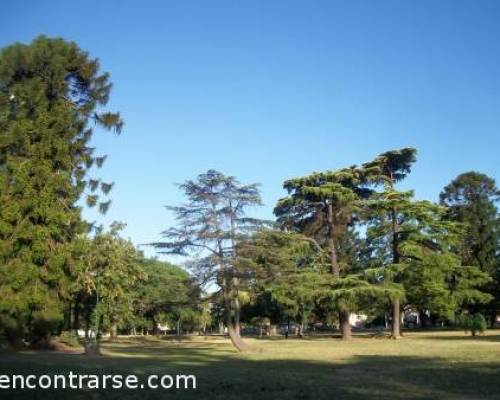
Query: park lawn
point(423, 365)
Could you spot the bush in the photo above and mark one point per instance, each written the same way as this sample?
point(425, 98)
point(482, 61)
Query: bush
point(12, 330)
point(475, 324)
point(45, 323)
point(69, 338)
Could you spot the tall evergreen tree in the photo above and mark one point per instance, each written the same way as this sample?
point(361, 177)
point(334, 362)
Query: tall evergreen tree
point(324, 207)
point(387, 170)
point(284, 268)
point(52, 94)
point(413, 246)
point(209, 226)
point(471, 200)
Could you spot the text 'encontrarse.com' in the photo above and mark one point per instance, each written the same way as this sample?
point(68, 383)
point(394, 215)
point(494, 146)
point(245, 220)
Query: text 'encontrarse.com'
point(80, 381)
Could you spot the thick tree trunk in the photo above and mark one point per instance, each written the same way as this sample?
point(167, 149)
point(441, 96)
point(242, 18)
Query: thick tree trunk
point(396, 320)
point(92, 348)
point(87, 325)
point(113, 332)
point(394, 223)
point(334, 265)
point(396, 332)
point(345, 327)
point(424, 320)
point(155, 325)
point(493, 319)
point(76, 318)
point(68, 317)
point(233, 326)
point(233, 315)
point(236, 340)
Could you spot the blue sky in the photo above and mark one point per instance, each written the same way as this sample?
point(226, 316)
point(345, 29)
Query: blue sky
point(268, 90)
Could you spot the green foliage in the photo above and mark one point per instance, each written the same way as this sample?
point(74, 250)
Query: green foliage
point(111, 270)
point(471, 199)
point(50, 94)
point(165, 290)
point(209, 227)
point(69, 339)
point(475, 324)
point(412, 244)
point(326, 207)
point(283, 266)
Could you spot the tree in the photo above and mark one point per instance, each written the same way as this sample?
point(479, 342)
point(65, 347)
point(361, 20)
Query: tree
point(433, 277)
point(284, 268)
point(471, 199)
point(324, 207)
point(166, 289)
point(50, 93)
point(209, 227)
point(112, 269)
point(475, 324)
point(387, 170)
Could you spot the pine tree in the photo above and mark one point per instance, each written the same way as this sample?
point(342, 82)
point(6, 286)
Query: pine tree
point(471, 199)
point(112, 268)
point(166, 289)
point(324, 207)
point(209, 226)
point(435, 281)
point(413, 246)
point(387, 169)
point(51, 94)
point(284, 268)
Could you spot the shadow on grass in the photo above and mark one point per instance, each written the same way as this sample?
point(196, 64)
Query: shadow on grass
point(464, 337)
point(224, 374)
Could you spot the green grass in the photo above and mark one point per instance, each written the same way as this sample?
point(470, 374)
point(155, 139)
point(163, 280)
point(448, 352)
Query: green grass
point(434, 365)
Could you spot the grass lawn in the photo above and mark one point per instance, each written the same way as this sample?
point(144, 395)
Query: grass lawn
point(434, 365)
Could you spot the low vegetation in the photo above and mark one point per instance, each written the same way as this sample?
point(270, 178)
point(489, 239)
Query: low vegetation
point(437, 365)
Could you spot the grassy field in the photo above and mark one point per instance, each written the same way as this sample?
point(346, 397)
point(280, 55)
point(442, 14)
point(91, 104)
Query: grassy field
point(435, 365)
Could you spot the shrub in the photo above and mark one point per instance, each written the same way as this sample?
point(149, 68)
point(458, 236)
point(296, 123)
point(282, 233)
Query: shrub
point(45, 323)
point(12, 330)
point(475, 324)
point(69, 338)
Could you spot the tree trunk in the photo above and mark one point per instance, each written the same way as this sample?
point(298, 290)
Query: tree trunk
point(396, 306)
point(300, 331)
point(396, 320)
point(76, 318)
point(113, 332)
point(345, 327)
point(236, 340)
point(68, 320)
point(87, 325)
point(155, 326)
point(92, 348)
point(334, 265)
point(233, 314)
point(235, 330)
point(493, 319)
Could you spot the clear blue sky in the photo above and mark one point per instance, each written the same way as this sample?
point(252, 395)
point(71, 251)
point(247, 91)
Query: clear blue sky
point(268, 90)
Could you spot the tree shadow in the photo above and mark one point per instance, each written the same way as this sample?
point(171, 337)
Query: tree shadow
point(469, 338)
point(223, 374)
